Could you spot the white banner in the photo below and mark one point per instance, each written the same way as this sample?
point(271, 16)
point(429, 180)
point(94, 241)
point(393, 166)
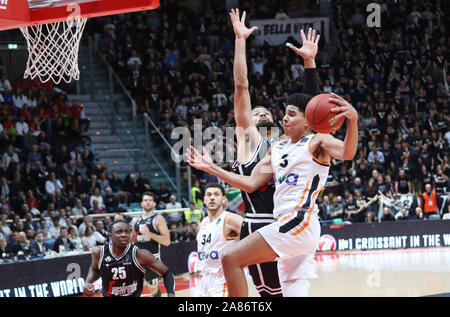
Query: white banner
point(276, 32)
point(402, 201)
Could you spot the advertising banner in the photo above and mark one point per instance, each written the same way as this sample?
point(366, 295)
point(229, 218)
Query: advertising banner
point(276, 32)
point(176, 256)
point(386, 235)
point(66, 275)
point(61, 276)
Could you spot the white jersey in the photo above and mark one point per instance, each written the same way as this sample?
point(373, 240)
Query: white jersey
point(299, 177)
point(211, 243)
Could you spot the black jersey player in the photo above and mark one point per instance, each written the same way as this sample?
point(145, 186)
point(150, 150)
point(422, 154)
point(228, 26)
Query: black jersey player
point(121, 266)
point(150, 231)
point(252, 146)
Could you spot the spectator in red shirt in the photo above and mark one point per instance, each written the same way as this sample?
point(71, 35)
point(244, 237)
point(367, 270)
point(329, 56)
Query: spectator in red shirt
point(31, 200)
point(40, 114)
point(76, 109)
point(64, 110)
point(50, 112)
point(8, 124)
point(25, 112)
point(5, 111)
point(78, 113)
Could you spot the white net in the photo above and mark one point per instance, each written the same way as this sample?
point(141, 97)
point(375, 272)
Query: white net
point(53, 50)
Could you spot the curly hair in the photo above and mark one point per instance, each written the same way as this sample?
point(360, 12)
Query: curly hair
point(299, 100)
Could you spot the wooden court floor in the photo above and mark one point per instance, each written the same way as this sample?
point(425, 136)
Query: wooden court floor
point(382, 273)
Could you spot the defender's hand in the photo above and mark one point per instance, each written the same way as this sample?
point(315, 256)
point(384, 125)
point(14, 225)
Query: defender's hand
point(310, 45)
point(198, 161)
point(240, 30)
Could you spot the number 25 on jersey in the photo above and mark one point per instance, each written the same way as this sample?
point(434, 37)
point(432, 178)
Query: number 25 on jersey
point(119, 273)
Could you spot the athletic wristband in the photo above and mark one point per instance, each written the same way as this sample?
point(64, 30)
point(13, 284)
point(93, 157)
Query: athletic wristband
point(169, 282)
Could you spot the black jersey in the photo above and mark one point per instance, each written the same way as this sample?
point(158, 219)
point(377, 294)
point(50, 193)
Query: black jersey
point(259, 213)
point(259, 204)
point(143, 242)
point(123, 275)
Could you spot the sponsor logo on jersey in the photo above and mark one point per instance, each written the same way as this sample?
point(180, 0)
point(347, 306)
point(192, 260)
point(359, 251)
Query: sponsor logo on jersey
point(290, 179)
point(127, 259)
point(213, 255)
point(327, 243)
point(108, 259)
point(124, 290)
point(302, 141)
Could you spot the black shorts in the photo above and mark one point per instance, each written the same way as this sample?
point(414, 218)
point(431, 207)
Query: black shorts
point(264, 275)
point(150, 276)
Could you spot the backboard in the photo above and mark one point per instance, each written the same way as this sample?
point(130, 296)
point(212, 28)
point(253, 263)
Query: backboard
point(53, 30)
point(20, 13)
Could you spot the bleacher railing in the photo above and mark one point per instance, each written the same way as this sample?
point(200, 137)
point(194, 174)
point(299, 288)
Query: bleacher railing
point(131, 213)
point(173, 154)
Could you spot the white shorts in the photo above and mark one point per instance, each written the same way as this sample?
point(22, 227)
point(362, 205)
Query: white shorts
point(294, 238)
point(211, 285)
point(296, 288)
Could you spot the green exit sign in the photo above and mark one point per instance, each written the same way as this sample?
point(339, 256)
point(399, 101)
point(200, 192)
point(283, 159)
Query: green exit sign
point(13, 46)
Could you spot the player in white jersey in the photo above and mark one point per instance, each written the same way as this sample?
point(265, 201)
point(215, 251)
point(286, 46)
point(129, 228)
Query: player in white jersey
point(217, 231)
point(299, 166)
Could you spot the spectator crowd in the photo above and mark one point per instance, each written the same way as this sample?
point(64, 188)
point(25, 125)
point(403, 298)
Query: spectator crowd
point(180, 68)
point(50, 180)
point(177, 63)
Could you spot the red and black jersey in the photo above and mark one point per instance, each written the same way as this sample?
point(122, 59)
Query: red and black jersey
point(122, 275)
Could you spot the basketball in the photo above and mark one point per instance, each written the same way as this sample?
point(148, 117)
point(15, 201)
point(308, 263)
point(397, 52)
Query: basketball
point(319, 116)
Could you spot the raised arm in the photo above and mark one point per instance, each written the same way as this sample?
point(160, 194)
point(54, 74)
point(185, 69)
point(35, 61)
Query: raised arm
point(261, 174)
point(242, 103)
point(246, 131)
point(311, 84)
point(308, 52)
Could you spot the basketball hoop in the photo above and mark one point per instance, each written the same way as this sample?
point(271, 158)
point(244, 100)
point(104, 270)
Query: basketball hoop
point(53, 30)
point(53, 50)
